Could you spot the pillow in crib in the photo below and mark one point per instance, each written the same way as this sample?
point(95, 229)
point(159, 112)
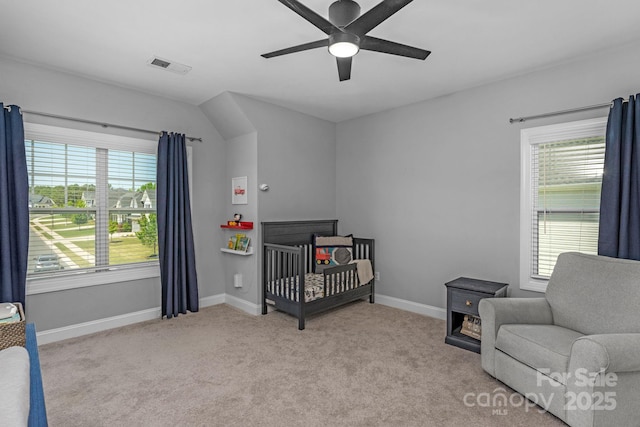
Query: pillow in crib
point(330, 251)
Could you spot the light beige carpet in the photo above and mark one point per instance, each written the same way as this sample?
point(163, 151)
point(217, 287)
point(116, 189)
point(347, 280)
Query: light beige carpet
point(360, 365)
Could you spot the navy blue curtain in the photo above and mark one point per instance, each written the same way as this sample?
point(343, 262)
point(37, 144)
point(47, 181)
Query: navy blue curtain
point(14, 206)
point(619, 234)
point(175, 236)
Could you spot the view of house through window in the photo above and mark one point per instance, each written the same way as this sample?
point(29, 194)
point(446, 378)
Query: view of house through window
point(90, 207)
point(562, 179)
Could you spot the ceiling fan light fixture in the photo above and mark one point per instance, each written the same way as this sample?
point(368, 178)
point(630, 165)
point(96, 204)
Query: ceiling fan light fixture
point(344, 45)
point(347, 31)
point(343, 49)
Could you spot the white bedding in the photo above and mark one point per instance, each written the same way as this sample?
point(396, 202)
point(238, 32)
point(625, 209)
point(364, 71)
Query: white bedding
point(14, 393)
point(314, 283)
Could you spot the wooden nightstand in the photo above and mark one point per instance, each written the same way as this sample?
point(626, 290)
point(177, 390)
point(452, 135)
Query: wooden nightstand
point(463, 296)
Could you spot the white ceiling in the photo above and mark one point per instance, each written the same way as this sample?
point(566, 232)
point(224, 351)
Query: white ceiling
point(473, 42)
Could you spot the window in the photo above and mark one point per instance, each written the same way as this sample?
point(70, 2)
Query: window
point(92, 200)
point(560, 195)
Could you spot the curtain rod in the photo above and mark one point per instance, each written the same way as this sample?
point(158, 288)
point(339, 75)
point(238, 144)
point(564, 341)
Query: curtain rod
point(558, 113)
point(104, 125)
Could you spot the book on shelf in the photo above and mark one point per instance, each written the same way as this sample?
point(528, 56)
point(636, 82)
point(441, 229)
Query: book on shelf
point(243, 244)
point(238, 237)
point(231, 244)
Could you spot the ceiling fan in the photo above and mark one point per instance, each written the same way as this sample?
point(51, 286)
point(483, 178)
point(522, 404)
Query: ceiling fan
point(347, 31)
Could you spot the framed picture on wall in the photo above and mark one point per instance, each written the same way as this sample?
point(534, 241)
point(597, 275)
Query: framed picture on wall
point(239, 190)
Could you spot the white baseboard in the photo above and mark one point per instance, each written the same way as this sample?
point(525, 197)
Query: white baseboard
point(212, 300)
point(243, 305)
point(72, 331)
point(79, 329)
point(414, 307)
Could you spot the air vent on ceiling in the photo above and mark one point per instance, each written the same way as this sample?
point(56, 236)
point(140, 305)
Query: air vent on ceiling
point(169, 65)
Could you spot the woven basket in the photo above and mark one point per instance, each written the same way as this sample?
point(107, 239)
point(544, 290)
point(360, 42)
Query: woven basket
point(13, 334)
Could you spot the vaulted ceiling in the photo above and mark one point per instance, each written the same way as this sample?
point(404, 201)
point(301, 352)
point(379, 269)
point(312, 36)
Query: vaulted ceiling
point(473, 42)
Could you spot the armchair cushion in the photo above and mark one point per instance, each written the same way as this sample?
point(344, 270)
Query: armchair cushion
point(545, 348)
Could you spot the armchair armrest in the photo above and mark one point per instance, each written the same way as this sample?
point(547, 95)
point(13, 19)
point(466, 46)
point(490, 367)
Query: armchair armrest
point(496, 312)
point(606, 353)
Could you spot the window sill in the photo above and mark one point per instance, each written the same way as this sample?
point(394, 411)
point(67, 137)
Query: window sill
point(535, 285)
point(84, 279)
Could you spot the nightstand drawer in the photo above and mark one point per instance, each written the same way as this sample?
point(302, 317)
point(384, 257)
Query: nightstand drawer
point(465, 302)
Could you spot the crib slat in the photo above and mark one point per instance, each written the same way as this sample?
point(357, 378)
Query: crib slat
point(285, 271)
point(291, 272)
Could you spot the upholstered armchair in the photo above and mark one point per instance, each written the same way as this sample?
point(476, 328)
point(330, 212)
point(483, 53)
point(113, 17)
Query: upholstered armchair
point(575, 352)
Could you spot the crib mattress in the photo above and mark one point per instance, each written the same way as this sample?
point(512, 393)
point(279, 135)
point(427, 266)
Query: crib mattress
point(313, 287)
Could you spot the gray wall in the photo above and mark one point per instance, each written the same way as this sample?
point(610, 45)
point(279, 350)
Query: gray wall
point(242, 160)
point(38, 89)
point(297, 158)
point(292, 152)
point(437, 183)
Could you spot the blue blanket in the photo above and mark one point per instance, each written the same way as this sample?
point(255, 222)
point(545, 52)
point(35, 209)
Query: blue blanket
point(37, 409)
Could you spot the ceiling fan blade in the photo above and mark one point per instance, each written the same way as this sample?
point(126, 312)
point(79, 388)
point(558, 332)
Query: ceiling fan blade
point(393, 48)
point(321, 23)
point(299, 48)
point(344, 68)
point(375, 16)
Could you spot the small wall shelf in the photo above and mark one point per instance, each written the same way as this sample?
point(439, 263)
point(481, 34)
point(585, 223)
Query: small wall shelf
point(243, 253)
point(243, 225)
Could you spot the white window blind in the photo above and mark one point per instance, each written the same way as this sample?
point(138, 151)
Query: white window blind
point(567, 176)
point(92, 202)
point(561, 181)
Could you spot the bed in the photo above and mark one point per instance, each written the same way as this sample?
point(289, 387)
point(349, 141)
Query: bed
point(290, 281)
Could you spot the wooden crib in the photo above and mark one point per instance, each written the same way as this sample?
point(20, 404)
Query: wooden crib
point(288, 281)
